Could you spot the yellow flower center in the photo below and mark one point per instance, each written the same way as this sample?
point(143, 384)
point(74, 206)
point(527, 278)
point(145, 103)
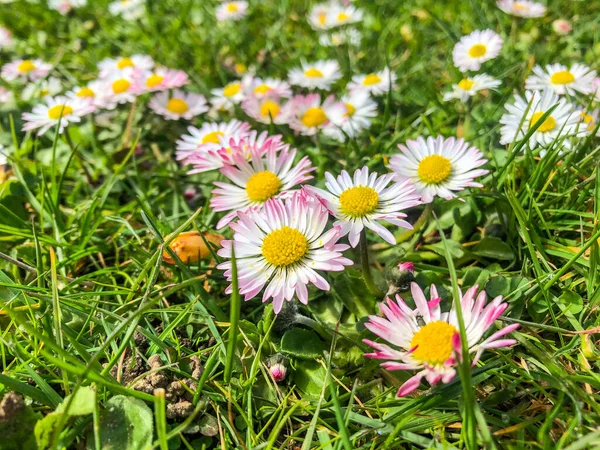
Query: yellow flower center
point(434, 169)
point(322, 18)
point(359, 201)
point(212, 137)
point(284, 247)
point(588, 120)
point(125, 62)
point(120, 86)
point(342, 17)
point(466, 84)
point(548, 125)
point(154, 80)
point(371, 79)
point(477, 51)
point(58, 111)
point(269, 108)
point(86, 92)
point(231, 89)
point(44, 92)
point(240, 68)
point(519, 6)
point(232, 7)
point(313, 117)
point(26, 66)
point(350, 109)
point(563, 77)
point(262, 186)
point(262, 89)
point(313, 73)
point(177, 105)
point(433, 342)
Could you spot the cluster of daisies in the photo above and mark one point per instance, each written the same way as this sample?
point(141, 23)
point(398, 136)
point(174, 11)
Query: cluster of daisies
point(335, 23)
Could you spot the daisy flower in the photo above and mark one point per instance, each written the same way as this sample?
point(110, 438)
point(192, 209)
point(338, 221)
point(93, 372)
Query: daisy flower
point(6, 39)
point(475, 49)
point(319, 16)
point(520, 116)
point(199, 140)
point(234, 10)
point(25, 69)
point(360, 110)
point(128, 9)
point(364, 200)
point(258, 180)
point(522, 8)
point(159, 79)
point(178, 104)
point(321, 74)
point(376, 83)
point(589, 120)
point(109, 66)
point(42, 88)
point(284, 246)
point(224, 98)
point(307, 115)
point(265, 109)
point(344, 15)
point(268, 87)
point(350, 36)
point(468, 87)
point(427, 340)
point(438, 166)
point(56, 109)
point(6, 96)
point(561, 79)
point(118, 88)
point(64, 6)
point(90, 92)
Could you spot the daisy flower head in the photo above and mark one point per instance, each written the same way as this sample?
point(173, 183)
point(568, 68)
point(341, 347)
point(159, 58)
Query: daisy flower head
point(350, 36)
point(226, 97)
point(562, 27)
point(159, 79)
point(589, 120)
point(475, 49)
point(65, 6)
point(375, 83)
point(55, 110)
point(562, 79)
point(6, 38)
point(178, 104)
point(524, 113)
point(233, 10)
point(428, 340)
point(438, 167)
point(118, 88)
point(90, 92)
point(109, 66)
point(469, 86)
point(128, 9)
point(360, 111)
point(363, 200)
point(261, 178)
point(319, 16)
point(42, 88)
point(307, 115)
point(265, 109)
point(200, 140)
point(319, 75)
point(522, 8)
point(283, 246)
point(25, 70)
point(268, 87)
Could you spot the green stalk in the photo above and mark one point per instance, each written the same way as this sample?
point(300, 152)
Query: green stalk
point(234, 317)
point(366, 269)
point(161, 418)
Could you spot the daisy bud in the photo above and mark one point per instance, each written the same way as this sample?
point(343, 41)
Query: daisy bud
point(399, 277)
point(561, 27)
point(277, 367)
point(191, 247)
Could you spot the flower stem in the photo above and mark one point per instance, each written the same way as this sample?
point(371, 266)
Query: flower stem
point(366, 268)
point(422, 220)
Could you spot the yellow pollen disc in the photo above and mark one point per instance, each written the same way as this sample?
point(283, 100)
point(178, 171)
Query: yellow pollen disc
point(125, 62)
point(371, 79)
point(262, 89)
point(563, 77)
point(120, 86)
point(232, 7)
point(548, 125)
point(231, 89)
point(58, 111)
point(477, 51)
point(86, 92)
point(177, 106)
point(433, 342)
point(269, 108)
point(154, 80)
point(261, 186)
point(434, 169)
point(588, 120)
point(44, 92)
point(359, 201)
point(313, 117)
point(212, 137)
point(342, 17)
point(466, 84)
point(322, 18)
point(26, 66)
point(284, 247)
point(313, 73)
point(350, 109)
point(519, 6)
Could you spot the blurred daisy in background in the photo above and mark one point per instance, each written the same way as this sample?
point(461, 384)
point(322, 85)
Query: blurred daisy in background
point(350, 36)
point(375, 83)
point(438, 167)
point(128, 9)
point(6, 96)
point(589, 120)
point(319, 16)
point(64, 6)
point(159, 79)
point(25, 70)
point(522, 8)
point(118, 88)
point(109, 66)
point(54, 110)
point(475, 49)
point(307, 115)
point(468, 87)
point(42, 88)
point(265, 109)
point(270, 87)
point(524, 113)
point(360, 111)
point(89, 92)
point(363, 200)
point(319, 75)
point(561, 79)
point(234, 10)
point(254, 181)
point(283, 247)
point(226, 97)
point(178, 104)
point(562, 27)
point(6, 38)
point(428, 340)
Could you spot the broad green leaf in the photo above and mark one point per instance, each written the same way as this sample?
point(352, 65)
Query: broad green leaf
point(82, 402)
point(494, 248)
point(301, 344)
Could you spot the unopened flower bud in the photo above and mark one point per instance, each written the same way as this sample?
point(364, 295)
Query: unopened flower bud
point(561, 27)
point(399, 277)
point(406, 266)
point(277, 367)
point(191, 247)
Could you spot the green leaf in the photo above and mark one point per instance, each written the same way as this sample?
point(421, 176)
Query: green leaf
point(302, 344)
point(494, 248)
point(455, 249)
point(44, 430)
point(310, 377)
point(474, 276)
point(82, 403)
point(497, 286)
